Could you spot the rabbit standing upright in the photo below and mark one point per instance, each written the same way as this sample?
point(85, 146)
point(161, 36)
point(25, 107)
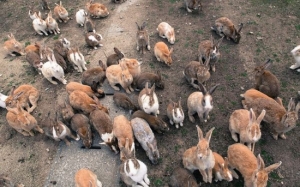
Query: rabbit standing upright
point(148, 100)
point(60, 13)
point(40, 26)
point(175, 113)
point(81, 16)
point(142, 38)
point(52, 25)
point(77, 59)
point(197, 73)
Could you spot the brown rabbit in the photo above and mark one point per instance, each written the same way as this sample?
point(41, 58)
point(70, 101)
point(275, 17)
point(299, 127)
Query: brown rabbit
point(279, 119)
point(34, 60)
point(265, 81)
point(193, 5)
point(80, 124)
point(151, 78)
point(221, 170)
point(142, 38)
point(94, 75)
point(200, 157)
point(197, 73)
point(96, 10)
point(60, 13)
point(89, 25)
point(182, 177)
point(72, 86)
point(114, 58)
point(162, 53)
point(86, 178)
point(12, 46)
point(67, 111)
point(44, 5)
point(123, 101)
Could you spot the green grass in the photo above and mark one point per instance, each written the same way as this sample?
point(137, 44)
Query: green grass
point(55, 37)
point(199, 31)
point(27, 43)
point(268, 159)
point(183, 131)
point(244, 74)
point(151, 65)
point(158, 182)
point(173, 1)
point(176, 148)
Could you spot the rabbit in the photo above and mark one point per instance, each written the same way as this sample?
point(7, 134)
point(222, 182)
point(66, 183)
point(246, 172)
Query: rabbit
point(34, 60)
point(44, 5)
point(72, 86)
point(151, 78)
point(280, 120)
point(220, 169)
point(193, 5)
point(89, 26)
point(12, 46)
point(142, 38)
point(123, 131)
point(2, 100)
point(225, 28)
point(200, 157)
point(119, 1)
point(52, 25)
point(40, 26)
point(96, 10)
point(93, 39)
point(296, 54)
point(33, 48)
point(144, 135)
point(119, 74)
point(26, 95)
point(154, 122)
point(60, 13)
point(162, 53)
point(175, 113)
point(94, 75)
point(22, 121)
point(148, 100)
point(114, 58)
point(60, 61)
point(123, 101)
point(182, 177)
point(244, 123)
point(81, 16)
point(197, 73)
point(80, 124)
point(86, 178)
point(133, 65)
point(104, 126)
point(67, 112)
point(132, 170)
point(252, 168)
point(266, 82)
point(79, 100)
point(45, 51)
point(61, 47)
point(166, 31)
point(51, 69)
point(200, 103)
point(210, 49)
point(77, 59)
point(33, 14)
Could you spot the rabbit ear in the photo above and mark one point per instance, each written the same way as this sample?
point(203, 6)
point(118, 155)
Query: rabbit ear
point(219, 42)
point(261, 116)
point(139, 28)
point(116, 50)
point(291, 105)
point(179, 102)
point(101, 64)
point(200, 133)
point(241, 26)
point(143, 26)
point(152, 89)
point(267, 64)
point(272, 167)
point(252, 116)
point(207, 60)
point(12, 91)
point(18, 95)
point(202, 88)
point(211, 91)
point(171, 50)
point(208, 134)
point(96, 100)
point(94, 86)
point(260, 163)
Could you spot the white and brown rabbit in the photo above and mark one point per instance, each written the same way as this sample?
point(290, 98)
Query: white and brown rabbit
point(197, 73)
point(155, 123)
point(90, 91)
point(93, 40)
point(166, 31)
point(81, 16)
point(12, 46)
point(52, 25)
point(151, 78)
point(296, 54)
point(162, 53)
point(22, 121)
point(245, 123)
point(142, 38)
point(224, 27)
point(86, 178)
point(193, 5)
point(200, 103)
point(40, 26)
point(132, 170)
point(77, 59)
point(144, 135)
point(96, 10)
point(265, 81)
point(221, 170)
point(52, 69)
point(175, 113)
point(114, 58)
point(279, 119)
point(200, 157)
point(210, 49)
point(252, 168)
point(119, 74)
point(148, 100)
point(95, 75)
point(182, 177)
point(26, 95)
point(80, 124)
point(60, 13)
point(123, 101)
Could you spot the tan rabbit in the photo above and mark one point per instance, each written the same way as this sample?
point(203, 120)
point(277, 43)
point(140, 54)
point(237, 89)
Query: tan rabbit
point(52, 25)
point(33, 48)
point(175, 113)
point(95, 75)
point(142, 38)
point(119, 74)
point(279, 119)
point(209, 49)
point(266, 82)
point(197, 73)
point(148, 100)
point(12, 46)
point(96, 10)
point(26, 95)
point(86, 178)
point(162, 53)
point(200, 157)
point(252, 169)
point(133, 65)
point(60, 13)
point(244, 123)
point(224, 27)
point(221, 170)
point(22, 121)
point(72, 86)
point(166, 31)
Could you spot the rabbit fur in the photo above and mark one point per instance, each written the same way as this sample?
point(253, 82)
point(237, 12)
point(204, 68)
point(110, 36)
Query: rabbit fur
point(197, 73)
point(148, 100)
point(175, 113)
point(12, 46)
point(144, 135)
point(2, 100)
point(60, 13)
point(162, 53)
point(220, 169)
point(182, 177)
point(114, 58)
point(96, 10)
point(252, 168)
point(94, 75)
point(123, 101)
point(80, 124)
point(67, 112)
point(52, 25)
point(89, 26)
point(200, 157)
point(40, 26)
point(34, 60)
point(166, 31)
point(151, 78)
point(200, 103)
point(77, 59)
point(93, 39)
point(71, 86)
point(44, 5)
point(81, 16)
point(245, 123)
point(33, 48)
point(193, 5)
point(296, 54)
point(133, 66)
point(86, 178)
point(142, 38)
point(33, 14)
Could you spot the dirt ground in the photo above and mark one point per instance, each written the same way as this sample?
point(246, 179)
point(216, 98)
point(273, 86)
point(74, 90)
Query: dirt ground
point(271, 30)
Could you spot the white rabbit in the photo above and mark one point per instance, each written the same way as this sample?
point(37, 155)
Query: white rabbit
point(81, 16)
point(166, 31)
point(40, 25)
point(33, 15)
point(76, 57)
point(2, 100)
point(296, 54)
point(148, 100)
point(52, 69)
